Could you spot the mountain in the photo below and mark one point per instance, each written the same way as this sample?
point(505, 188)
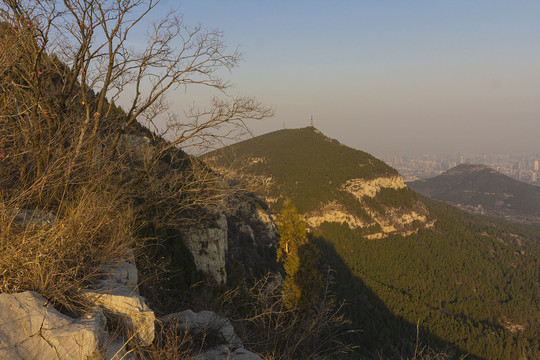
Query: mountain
point(327, 181)
point(404, 264)
point(482, 190)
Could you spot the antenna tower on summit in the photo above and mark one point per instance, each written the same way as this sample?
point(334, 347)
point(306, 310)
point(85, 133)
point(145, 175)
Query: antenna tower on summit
point(311, 120)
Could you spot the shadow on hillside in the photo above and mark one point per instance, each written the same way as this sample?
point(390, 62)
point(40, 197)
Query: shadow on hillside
point(382, 334)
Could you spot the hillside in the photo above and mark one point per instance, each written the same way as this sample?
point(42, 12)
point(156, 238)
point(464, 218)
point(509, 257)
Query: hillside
point(470, 283)
point(326, 180)
point(482, 190)
point(105, 225)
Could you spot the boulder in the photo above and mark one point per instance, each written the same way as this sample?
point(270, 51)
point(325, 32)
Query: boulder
point(130, 308)
point(30, 328)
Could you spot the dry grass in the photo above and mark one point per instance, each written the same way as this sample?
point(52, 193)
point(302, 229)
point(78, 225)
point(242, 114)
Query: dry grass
point(269, 328)
point(59, 258)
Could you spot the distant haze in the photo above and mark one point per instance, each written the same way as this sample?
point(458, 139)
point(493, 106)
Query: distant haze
point(403, 77)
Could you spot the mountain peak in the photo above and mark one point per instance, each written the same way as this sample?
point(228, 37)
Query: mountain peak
point(326, 180)
point(468, 168)
point(482, 190)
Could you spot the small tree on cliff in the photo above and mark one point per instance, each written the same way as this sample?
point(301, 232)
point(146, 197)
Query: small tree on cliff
point(299, 255)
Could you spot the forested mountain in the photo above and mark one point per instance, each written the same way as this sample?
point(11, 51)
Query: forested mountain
point(469, 283)
point(482, 190)
point(326, 180)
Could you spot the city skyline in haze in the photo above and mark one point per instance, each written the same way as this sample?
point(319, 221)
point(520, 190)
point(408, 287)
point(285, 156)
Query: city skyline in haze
point(387, 77)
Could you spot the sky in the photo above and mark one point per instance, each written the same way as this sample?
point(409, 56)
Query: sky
point(388, 77)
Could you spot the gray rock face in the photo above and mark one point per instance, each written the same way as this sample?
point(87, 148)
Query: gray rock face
point(207, 242)
point(247, 231)
point(31, 329)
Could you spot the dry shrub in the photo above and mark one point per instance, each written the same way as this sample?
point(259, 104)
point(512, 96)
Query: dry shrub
point(269, 328)
point(59, 258)
point(173, 343)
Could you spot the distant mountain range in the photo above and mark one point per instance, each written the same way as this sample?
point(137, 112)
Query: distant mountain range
point(400, 259)
point(482, 190)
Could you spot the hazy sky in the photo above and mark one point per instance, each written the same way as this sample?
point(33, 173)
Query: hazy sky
point(390, 77)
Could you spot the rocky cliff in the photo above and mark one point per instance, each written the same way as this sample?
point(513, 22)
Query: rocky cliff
point(242, 231)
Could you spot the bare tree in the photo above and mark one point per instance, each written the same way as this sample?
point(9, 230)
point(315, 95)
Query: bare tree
point(75, 60)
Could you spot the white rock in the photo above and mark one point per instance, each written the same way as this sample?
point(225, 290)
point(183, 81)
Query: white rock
point(333, 212)
point(32, 329)
point(130, 308)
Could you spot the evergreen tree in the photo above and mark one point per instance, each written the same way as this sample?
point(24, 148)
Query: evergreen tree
point(300, 257)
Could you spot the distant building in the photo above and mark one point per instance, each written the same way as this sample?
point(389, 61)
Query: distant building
point(535, 165)
point(534, 177)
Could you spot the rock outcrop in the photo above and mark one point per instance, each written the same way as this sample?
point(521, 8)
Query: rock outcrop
point(30, 328)
point(381, 219)
point(333, 212)
point(207, 242)
point(123, 304)
point(362, 187)
point(389, 219)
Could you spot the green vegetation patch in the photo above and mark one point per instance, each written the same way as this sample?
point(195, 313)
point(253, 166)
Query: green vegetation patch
point(469, 281)
point(305, 165)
